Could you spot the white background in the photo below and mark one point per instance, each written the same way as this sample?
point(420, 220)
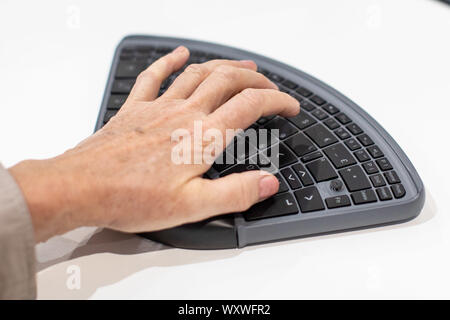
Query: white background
point(390, 57)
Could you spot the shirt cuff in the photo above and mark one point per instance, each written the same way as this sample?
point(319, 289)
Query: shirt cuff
point(18, 262)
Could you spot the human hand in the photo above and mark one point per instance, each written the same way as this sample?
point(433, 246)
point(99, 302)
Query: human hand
point(123, 176)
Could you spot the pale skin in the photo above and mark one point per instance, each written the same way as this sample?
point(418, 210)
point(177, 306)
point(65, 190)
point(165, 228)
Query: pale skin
point(122, 177)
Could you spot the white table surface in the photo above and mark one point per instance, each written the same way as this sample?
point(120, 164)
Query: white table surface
point(390, 57)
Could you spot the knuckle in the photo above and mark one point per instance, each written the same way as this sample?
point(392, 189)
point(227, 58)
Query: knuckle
point(251, 96)
point(226, 72)
point(146, 75)
point(196, 69)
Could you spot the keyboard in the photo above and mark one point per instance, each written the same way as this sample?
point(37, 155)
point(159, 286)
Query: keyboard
point(338, 169)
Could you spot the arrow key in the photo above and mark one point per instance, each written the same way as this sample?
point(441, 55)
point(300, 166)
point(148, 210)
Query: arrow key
point(278, 205)
point(291, 178)
point(303, 174)
point(309, 199)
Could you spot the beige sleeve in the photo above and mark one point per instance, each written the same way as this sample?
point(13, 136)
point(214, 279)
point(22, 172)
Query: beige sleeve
point(17, 256)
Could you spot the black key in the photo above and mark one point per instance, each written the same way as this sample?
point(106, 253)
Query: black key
point(377, 180)
point(242, 149)
point(319, 114)
point(278, 205)
point(370, 167)
point(302, 120)
point(122, 86)
point(291, 178)
point(306, 105)
point(338, 201)
point(321, 135)
point(283, 186)
point(321, 170)
point(289, 84)
point(398, 190)
point(364, 196)
point(309, 199)
point(284, 156)
point(375, 152)
point(108, 115)
point(352, 144)
point(384, 194)
point(354, 128)
point(331, 123)
point(384, 164)
point(365, 140)
point(312, 156)
point(318, 100)
point(304, 176)
point(303, 92)
point(355, 179)
point(223, 162)
point(130, 69)
point(240, 167)
point(342, 118)
point(116, 101)
point(330, 109)
point(339, 155)
point(264, 120)
point(300, 144)
point(285, 128)
point(362, 155)
point(392, 177)
point(265, 139)
point(275, 77)
point(342, 133)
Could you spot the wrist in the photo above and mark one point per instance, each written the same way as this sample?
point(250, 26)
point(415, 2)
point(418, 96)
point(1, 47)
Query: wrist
point(49, 194)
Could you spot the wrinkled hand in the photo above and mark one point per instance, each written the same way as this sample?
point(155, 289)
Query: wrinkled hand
point(123, 177)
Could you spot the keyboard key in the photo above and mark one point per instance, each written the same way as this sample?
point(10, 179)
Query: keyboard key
point(116, 101)
point(354, 129)
point(375, 152)
point(370, 167)
point(304, 176)
point(352, 144)
point(398, 190)
point(342, 133)
point(365, 140)
point(223, 162)
point(330, 109)
point(303, 92)
point(240, 167)
point(275, 77)
point(309, 199)
point(321, 170)
point(342, 118)
point(362, 155)
point(264, 120)
point(278, 205)
point(384, 164)
point(285, 128)
point(321, 136)
point(291, 178)
point(283, 186)
point(384, 194)
point(364, 196)
point(331, 123)
point(108, 115)
point(337, 201)
point(318, 100)
point(300, 144)
point(354, 178)
point(312, 156)
point(122, 86)
point(284, 157)
point(392, 177)
point(306, 105)
point(339, 156)
point(289, 84)
point(302, 120)
point(130, 69)
point(319, 114)
point(377, 180)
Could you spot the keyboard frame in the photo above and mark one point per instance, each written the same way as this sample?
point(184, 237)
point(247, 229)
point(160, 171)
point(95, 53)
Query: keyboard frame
point(228, 232)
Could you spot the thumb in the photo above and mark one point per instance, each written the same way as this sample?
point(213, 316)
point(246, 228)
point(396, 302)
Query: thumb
point(234, 193)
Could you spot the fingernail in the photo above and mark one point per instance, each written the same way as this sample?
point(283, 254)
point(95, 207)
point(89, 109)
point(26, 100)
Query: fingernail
point(180, 49)
point(268, 185)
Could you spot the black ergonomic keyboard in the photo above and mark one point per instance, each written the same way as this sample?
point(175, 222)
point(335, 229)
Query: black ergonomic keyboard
point(338, 168)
